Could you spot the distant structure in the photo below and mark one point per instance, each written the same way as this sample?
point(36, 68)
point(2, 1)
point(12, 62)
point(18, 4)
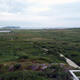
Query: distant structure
point(73, 74)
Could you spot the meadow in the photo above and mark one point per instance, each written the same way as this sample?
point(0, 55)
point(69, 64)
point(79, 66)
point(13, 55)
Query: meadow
point(39, 46)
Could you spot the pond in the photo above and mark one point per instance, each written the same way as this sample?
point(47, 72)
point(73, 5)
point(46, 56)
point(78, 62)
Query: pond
point(5, 31)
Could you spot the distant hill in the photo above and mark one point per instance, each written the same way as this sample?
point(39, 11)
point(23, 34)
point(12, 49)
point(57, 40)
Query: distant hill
point(11, 27)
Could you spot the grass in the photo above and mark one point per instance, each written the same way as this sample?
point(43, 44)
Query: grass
point(29, 46)
point(31, 42)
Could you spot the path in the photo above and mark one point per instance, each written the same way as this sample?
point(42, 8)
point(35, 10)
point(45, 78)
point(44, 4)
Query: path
point(70, 62)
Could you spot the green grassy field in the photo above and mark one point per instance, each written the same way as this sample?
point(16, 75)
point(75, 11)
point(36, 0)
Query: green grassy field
point(32, 42)
point(41, 46)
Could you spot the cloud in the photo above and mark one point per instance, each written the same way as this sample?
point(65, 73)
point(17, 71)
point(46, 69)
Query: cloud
point(15, 6)
point(18, 17)
point(40, 12)
point(51, 1)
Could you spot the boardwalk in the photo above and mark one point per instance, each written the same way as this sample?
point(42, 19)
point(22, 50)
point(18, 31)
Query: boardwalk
point(70, 62)
point(74, 76)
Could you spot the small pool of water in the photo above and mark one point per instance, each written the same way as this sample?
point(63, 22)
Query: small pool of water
point(5, 31)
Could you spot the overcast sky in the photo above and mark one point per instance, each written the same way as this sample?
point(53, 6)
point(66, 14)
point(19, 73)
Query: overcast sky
point(40, 13)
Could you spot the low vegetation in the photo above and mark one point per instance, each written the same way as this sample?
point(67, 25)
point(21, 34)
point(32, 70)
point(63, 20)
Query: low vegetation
point(28, 47)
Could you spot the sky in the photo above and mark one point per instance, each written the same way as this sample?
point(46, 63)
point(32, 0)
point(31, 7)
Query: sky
point(40, 13)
